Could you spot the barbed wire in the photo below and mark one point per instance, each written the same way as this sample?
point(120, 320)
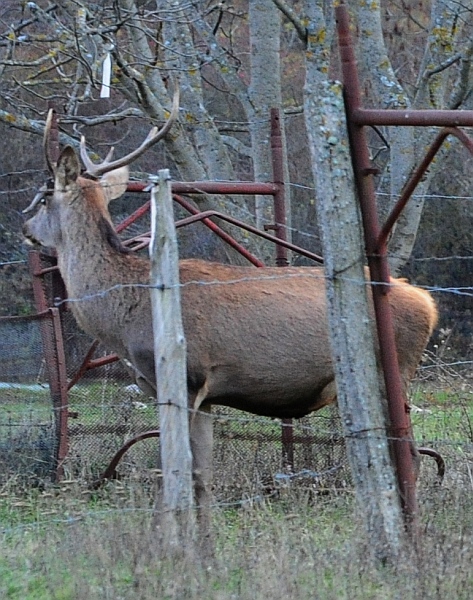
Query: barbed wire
point(311, 235)
point(283, 274)
point(22, 172)
point(13, 262)
point(33, 189)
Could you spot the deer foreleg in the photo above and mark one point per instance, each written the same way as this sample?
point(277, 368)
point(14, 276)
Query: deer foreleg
point(201, 436)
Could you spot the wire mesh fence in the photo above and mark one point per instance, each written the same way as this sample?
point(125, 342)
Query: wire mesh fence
point(106, 409)
point(27, 423)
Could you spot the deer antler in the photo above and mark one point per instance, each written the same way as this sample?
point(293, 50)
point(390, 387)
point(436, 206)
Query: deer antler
point(46, 136)
point(153, 136)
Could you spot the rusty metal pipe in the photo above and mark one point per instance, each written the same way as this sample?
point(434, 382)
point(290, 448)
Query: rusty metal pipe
point(213, 187)
point(218, 231)
point(399, 425)
point(110, 472)
point(416, 177)
point(279, 202)
point(251, 229)
point(438, 459)
point(277, 157)
point(135, 215)
point(412, 118)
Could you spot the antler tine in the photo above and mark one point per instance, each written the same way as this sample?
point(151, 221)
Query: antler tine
point(153, 136)
point(91, 167)
point(46, 136)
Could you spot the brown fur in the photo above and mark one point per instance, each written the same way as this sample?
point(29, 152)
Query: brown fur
point(257, 339)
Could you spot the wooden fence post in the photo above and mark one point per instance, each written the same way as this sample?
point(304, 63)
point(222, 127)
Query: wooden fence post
point(176, 520)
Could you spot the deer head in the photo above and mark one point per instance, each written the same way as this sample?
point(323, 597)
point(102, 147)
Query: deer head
point(67, 170)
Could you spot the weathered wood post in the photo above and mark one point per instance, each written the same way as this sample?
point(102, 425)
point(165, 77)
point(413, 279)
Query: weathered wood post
point(350, 323)
point(175, 511)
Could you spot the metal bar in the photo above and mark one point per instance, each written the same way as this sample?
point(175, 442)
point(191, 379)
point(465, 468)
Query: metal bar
point(59, 392)
point(111, 471)
point(218, 231)
point(207, 222)
point(412, 118)
point(47, 270)
point(279, 200)
point(101, 362)
point(36, 270)
point(53, 349)
point(251, 229)
point(212, 187)
point(399, 426)
point(416, 178)
point(205, 217)
point(277, 155)
point(134, 216)
point(84, 365)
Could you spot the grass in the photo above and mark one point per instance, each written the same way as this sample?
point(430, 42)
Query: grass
point(296, 547)
point(20, 404)
point(304, 541)
point(444, 414)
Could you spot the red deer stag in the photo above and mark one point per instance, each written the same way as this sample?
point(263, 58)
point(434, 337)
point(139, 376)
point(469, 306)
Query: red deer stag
point(257, 339)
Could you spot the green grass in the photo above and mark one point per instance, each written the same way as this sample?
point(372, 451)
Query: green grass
point(25, 405)
point(446, 415)
point(63, 543)
point(295, 547)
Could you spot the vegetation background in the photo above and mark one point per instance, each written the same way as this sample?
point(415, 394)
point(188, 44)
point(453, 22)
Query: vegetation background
point(234, 61)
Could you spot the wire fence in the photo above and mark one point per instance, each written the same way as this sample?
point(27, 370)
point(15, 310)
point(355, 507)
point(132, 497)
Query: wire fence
point(27, 420)
point(106, 409)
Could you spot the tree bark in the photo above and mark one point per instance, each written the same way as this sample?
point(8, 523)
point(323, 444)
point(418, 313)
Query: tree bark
point(351, 332)
point(264, 94)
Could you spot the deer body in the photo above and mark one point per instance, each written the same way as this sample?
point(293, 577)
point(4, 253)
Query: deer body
point(257, 339)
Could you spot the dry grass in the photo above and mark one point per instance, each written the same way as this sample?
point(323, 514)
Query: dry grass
point(303, 540)
point(63, 544)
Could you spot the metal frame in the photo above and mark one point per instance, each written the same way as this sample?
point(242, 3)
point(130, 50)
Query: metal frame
point(376, 242)
point(53, 347)
point(375, 239)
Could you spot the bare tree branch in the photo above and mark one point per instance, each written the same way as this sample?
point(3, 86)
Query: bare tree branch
point(293, 18)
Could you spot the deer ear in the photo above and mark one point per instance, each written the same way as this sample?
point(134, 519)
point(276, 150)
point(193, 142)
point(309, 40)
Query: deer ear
point(68, 168)
point(114, 183)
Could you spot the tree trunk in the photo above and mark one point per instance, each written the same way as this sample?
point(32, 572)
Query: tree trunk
point(358, 385)
point(264, 93)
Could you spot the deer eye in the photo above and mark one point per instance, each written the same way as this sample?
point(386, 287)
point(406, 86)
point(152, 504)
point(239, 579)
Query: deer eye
point(45, 197)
